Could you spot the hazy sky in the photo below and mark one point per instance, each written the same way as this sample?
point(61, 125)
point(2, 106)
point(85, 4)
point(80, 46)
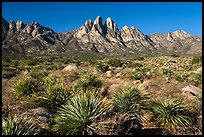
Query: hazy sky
point(149, 17)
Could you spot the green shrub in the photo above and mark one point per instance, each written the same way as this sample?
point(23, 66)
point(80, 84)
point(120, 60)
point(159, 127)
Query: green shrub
point(32, 62)
point(140, 58)
point(115, 62)
point(137, 75)
point(79, 114)
point(181, 76)
point(27, 87)
point(6, 59)
point(199, 96)
point(167, 72)
point(9, 73)
point(54, 96)
point(170, 113)
point(102, 67)
point(133, 65)
point(18, 126)
point(87, 82)
point(39, 74)
point(67, 61)
point(195, 78)
point(129, 100)
point(196, 60)
point(92, 62)
point(73, 76)
point(175, 55)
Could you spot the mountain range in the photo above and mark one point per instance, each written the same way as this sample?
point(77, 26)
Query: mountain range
point(33, 38)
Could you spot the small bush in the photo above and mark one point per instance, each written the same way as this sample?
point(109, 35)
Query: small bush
point(137, 75)
point(195, 78)
point(9, 73)
point(87, 82)
point(6, 59)
point(140, 58)
point(133, 65)
point(196, 60)
point(79, 114)
point(102, 67)
point(18, 126)
point(115, 62)
point(32, 62)
point(167, 72)
point(27, 87)
point(73, 76)
point(182, 76)
point(175, 55)
point(199, 96)
point(67, 61)
point(39, 74)
point(92, 62)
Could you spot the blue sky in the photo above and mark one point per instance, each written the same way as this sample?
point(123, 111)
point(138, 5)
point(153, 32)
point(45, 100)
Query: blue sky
point(149, 17)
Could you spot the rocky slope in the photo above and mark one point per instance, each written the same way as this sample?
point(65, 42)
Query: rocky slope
point(33, 38)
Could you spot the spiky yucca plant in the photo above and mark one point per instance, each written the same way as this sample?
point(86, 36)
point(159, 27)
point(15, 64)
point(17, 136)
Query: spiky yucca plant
point(54, 96)
point(129, 100)
point(78, 115)
point(170, 113)
point(18, 126)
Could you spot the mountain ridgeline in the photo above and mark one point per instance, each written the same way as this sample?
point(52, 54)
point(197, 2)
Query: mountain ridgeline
point(35, 39)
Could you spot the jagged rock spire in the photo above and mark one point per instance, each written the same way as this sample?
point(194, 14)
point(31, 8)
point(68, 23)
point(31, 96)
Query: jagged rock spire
point(20, 25)
point(97, 25)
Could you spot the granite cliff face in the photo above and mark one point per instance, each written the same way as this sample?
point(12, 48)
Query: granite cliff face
point(33, 38)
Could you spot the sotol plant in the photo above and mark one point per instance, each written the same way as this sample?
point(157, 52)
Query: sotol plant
point(170, 113)
point(78, 115)
point(18, 126)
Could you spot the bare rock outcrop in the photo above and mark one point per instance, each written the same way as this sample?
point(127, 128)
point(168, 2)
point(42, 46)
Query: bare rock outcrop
point(33, 38)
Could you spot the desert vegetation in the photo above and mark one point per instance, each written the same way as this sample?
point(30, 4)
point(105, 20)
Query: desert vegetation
point(102, 95)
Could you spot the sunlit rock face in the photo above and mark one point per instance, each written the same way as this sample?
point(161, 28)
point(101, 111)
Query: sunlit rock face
point(33, 38)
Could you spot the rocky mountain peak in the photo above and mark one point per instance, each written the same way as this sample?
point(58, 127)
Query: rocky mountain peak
point(109, 23)
point(98, 20)
point(20, 25)
point(88, 23)
point(125, 28)
point(182, 34)
point(94, 36)
point(179, 34)
point(97, 25)
point(12, 26)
